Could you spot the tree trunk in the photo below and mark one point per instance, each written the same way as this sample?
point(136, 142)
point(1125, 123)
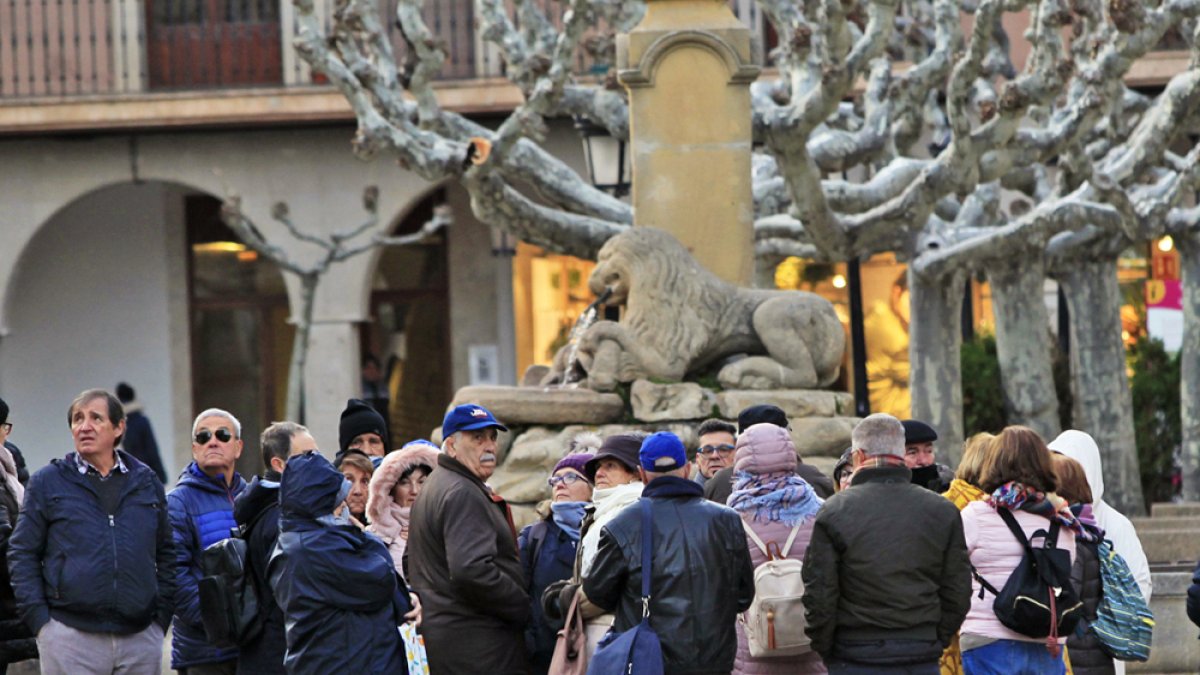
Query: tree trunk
point(1189, 362)
point(295, 393)
point(934, 346)
point(1103, 401)
point(1023, 344)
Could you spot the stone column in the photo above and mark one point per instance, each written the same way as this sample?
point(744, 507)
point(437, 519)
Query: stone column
point(332, 375)
point(688, 68)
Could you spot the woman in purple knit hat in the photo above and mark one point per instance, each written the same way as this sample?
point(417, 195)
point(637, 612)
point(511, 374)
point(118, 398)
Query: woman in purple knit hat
point(548, 549)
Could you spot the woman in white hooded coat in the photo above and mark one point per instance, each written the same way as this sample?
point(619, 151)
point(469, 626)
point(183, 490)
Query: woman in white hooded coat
point(1082, 448)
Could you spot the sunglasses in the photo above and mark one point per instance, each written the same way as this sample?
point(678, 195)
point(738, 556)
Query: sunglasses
point(204, 435)
point(724, 449)
point(566, 479)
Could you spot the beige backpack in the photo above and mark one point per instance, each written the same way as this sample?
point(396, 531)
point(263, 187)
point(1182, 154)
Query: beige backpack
point(775, 622)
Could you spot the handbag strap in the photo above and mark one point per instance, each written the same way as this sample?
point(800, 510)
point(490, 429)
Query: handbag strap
point(647, 545)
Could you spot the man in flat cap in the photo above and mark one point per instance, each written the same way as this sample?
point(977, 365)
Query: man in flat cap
point(919, 456)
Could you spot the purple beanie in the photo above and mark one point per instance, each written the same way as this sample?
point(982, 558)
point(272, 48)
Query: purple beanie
point(575, 463)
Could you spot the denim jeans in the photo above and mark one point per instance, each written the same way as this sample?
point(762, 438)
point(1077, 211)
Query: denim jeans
point(1012, 657)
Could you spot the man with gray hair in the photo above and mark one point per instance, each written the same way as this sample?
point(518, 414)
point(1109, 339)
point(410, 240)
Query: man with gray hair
point(887, 580)
point(201, 512)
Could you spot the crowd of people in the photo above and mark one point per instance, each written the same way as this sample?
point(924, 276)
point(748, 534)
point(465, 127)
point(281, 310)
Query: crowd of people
point(740, 556)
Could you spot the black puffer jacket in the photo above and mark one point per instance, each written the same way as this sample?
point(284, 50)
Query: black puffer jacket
point(887, 561)
point(1087, 657)
point(258, 506)
point(702, 575)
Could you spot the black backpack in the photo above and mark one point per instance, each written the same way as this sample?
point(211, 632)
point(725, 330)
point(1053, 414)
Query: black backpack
point(1038, 599)
point(229, 606)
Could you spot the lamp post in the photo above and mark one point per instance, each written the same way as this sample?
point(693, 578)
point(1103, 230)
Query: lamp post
point(608, 163)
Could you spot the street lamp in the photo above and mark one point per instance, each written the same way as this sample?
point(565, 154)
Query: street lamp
point(608, 162)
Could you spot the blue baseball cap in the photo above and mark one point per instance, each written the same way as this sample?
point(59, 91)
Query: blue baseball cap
point(661, 452)
point(468, 417)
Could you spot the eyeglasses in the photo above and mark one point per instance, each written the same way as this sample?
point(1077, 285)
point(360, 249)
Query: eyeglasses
point(724, 449)
point(567, 479)
point(7, 426)
point(204, 436)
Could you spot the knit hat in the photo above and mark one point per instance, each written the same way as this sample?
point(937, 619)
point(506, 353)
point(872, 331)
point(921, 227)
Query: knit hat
point(360, 418)
point(3, 411)
point(577, 462)
point(916, 431)
point(844, 464)
point(765, 448)
point(621, 447)
point(758, 414)
point(662, 451)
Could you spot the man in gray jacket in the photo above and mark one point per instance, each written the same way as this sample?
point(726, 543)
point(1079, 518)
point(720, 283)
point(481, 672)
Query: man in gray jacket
point(887, 581)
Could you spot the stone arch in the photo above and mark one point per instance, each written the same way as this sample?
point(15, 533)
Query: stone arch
point(643, 75)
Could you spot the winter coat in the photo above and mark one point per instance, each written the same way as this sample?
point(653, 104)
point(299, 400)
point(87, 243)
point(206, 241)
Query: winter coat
point(1193, 597)
point(139, 441)
point(388, 519)
point(201, 510)
point(16, 642)
point(465, 567)
point(99, 574)
point(259, 504)
point(885, 541)
point(701, 578)
point(335, 583)
point(720, 486)
point(1082, 448)
point(778, 532)
point(1087, 657)
point(995, 553)
point(19, 460)
point(606, 504)
point(547, 556)
point(960, 493)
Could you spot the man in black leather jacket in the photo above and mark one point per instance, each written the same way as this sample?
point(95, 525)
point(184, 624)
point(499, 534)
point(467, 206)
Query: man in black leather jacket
point(693, 608)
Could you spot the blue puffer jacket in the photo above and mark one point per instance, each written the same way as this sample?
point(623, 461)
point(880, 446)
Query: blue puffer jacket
point(71, 561)
point(201, 510)
point(336, 584)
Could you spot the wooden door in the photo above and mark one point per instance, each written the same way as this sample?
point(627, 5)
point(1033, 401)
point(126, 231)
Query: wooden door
point(201, 44)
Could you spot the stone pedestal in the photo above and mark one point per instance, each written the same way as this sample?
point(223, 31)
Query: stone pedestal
point(688, 69)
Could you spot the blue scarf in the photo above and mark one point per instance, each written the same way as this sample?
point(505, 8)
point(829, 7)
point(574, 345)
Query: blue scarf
point(782, 496)
point(568, 516)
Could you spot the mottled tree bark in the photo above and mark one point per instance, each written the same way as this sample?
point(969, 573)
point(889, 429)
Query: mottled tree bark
point(1189, 259)
point(1103, 400)
point(1023, 344)
point(934, 348)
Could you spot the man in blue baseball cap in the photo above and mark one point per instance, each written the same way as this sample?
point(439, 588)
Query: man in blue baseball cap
point(693, 608)
point(462, 555)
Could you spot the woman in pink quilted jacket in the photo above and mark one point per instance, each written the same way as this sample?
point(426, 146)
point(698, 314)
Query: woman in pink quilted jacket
point(772, 501)
point(394, 487)
point(1018, 475)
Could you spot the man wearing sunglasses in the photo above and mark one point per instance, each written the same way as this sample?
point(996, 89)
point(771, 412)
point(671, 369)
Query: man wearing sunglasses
point(201, 510)
point(715, 451)
point(92, 559)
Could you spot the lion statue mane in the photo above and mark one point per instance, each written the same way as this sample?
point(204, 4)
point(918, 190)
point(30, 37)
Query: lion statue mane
point(680, 318)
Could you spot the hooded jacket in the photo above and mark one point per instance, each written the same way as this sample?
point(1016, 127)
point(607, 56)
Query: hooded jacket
point(388, 519)
point(201, 511)
point(335, 584)
point(257, 508)
point(1080, 447)
point(465, 567)
point(702, 576)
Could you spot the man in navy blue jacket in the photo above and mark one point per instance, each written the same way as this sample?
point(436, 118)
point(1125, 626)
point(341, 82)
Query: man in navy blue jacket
point(201, 510)
point(336, 584)
point(92, 560)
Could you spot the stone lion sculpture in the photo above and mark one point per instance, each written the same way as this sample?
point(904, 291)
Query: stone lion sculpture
point(680, 318)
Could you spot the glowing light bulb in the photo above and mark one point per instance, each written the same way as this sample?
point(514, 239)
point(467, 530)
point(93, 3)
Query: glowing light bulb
point(839, 281)
point(1166, 244)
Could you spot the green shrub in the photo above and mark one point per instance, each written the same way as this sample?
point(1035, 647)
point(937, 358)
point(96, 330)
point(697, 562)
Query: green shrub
point(983, 396)
point(1156, 418)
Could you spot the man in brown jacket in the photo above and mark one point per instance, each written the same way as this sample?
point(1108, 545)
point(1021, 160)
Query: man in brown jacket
point(462, 555)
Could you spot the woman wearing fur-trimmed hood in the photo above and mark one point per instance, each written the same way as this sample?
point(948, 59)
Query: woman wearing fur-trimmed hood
point(394, 487)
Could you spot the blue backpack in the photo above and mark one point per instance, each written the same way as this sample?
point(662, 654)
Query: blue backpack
point(1124, 623)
